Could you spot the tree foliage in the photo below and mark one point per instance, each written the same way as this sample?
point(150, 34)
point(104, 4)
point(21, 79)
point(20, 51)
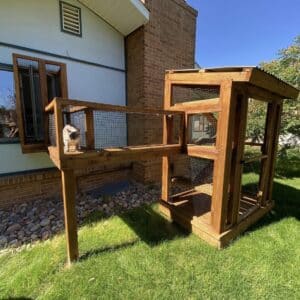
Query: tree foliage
point(287, 68)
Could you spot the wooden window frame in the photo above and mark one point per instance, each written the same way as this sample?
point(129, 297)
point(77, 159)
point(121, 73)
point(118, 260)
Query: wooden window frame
point(37, 147)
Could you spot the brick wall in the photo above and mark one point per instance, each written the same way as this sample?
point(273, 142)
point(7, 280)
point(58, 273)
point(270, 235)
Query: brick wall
point(166, 42)
point(46, 184)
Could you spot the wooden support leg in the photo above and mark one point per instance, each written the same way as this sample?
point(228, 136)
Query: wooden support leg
point(165, 179)
point(69, 191)
point(222, 165)
point(237, 155)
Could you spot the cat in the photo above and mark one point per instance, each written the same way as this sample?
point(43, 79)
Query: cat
point(71, 137)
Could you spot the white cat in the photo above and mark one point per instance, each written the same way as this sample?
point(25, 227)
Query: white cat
point(71, 137)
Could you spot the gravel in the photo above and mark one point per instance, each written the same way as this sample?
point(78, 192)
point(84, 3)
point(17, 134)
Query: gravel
point(41, 219)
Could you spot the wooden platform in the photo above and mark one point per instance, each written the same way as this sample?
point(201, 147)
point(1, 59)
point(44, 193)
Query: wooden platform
point(84, 159)
point(192, 210)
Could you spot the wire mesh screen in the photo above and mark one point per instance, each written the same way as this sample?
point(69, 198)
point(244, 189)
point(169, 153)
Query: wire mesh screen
point(51, 129)
point(202, 129)
point(87, 129)
point(188, 93)
point(251, 172)
point(192, 173)
point(251, 179)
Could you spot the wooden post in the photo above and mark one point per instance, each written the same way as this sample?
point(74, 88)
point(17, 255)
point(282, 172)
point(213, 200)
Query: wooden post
point(58, 128)
point(166, 135)
point(222, 164)
point(89, 129)
point(267, 149)
point(237, 156)
point(273, 152)
point(69, 191)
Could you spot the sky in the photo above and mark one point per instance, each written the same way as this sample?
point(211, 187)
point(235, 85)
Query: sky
point(244, 32)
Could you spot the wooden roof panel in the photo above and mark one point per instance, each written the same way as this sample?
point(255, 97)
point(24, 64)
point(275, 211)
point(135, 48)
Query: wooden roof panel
point(253, 75)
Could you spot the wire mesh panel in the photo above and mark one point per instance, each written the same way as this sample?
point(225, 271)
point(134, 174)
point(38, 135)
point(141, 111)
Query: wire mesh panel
point(250, 179)
point(86, 128)
point(188, 93)
point(110, 129)
point(191, 173)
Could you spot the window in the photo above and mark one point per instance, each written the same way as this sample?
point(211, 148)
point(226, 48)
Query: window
point(8, 118)
point(202, 128)
point(70, 18)
point(37, 83)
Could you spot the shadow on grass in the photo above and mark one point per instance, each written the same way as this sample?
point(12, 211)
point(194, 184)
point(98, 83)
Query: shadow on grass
point(146, 222)
point(287, 204)
point(108, 249)
point(151, 227)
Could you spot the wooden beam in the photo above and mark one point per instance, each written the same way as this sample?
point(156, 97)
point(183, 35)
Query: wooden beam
point(167, 131)
point(200, 106)
point(222, 164)
point(109, 107)
point(271, 83)
point(273, 156)
point(259, 93)
point(69, 190)
point(269, 148)
point(79, 160)
point(254, 158)
point(89, 129)
point(208, 78)
point(237, 155)
point(58, 119)
point(208, 152)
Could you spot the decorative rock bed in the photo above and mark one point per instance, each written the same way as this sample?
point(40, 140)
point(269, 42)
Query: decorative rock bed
point(39, 220)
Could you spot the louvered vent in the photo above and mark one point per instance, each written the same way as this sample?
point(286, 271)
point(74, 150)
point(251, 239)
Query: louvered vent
point(70, 18)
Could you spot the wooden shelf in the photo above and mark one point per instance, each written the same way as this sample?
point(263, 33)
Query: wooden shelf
point(83, 159)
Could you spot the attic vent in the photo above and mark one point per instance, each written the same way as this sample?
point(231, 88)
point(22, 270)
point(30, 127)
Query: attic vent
point(70, 18)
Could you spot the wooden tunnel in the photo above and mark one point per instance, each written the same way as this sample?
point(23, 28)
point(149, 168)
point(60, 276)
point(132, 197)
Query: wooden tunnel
point(216, 211)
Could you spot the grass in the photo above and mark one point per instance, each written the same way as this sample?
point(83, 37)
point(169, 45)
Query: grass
point(140, 255)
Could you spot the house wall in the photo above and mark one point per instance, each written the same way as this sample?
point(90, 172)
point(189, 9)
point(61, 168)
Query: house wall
point(166, 42)
point(35, 24)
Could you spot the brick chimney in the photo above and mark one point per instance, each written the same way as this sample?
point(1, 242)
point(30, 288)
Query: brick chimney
point(167, 41)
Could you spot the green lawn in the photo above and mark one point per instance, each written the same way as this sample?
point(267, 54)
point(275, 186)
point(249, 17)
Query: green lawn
point(141, 256)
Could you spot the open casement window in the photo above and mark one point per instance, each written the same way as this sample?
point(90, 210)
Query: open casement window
point(37, 82)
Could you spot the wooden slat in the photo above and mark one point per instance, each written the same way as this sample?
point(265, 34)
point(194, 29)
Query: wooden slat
point(89, 129)
point(254, 144)
point(254, 158)
point(200, 106)
point(69, 190)
point(208, 152)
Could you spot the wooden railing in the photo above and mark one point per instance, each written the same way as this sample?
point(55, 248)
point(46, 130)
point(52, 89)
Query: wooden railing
point(90, 155)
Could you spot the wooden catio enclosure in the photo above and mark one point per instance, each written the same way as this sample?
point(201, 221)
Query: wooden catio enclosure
point(205, 117)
